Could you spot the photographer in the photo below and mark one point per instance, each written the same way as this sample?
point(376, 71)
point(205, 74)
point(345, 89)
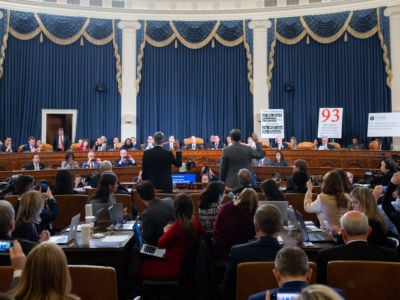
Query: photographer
point(207, 175)
point(124, 160)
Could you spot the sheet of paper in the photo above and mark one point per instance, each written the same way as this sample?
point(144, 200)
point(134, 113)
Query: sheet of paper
point(115, 238)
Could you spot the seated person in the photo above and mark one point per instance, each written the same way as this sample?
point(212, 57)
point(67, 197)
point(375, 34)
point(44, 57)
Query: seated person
point(8, 147)
point(63, 184)
point(84, 146)
point(149, 144)
point(245, 178)
point(92, 162)
point(135, 146)
point(193, 145)
point(31, 145)
point(279, 160)
point(127, 145)
point(297, 183)
point(105, 191)
point(320, 291)
point(170, 144)
point(78, 181)
point(355, 145)
point(124, 160)
point(69, 162)
point(210, 201)
point(390, 210)
point(324, 144)
point(271, 190)
point(265, 161)
point(279, 143)
point(35, 164)
point(207, 171)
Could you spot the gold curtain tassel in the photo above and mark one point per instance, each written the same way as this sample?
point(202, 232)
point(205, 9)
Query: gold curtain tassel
point(308, 39)
point(41, 37)
point(213, 43)
point(346, 38)
point(176, 44)
point(81, 42)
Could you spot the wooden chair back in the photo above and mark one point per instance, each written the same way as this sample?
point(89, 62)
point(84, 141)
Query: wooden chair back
point(94, 282)
point(305, 146)
point(69, 206)
point(335, 145)
point(46, 148)
point(373, 145)
point(297, 201)
point(6, 275)
point(12, 199)
point(254, 277)
point(265, 145)
point(199, 141)
point(74, 146)
point(289, 145)
point(20, 147)
point(365, 279)
point(125, 199)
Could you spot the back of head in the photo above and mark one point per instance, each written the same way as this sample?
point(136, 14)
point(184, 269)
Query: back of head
point(212, 194)
point(24, 183)
point(354, 223)
point(332, 185)
point(291, 261)
point(7, 215)
point(268, 219)
point(271, 190)
point(107, 179)
point(158, 138)
point(347, 186)
point(105, 166)
point(236, 135)
point(146, 190)
point(45, 275)
point(245, 177)
point(183, 210)
point(63, 183)
point(301, 165)
point(319, 292)
point(248, 199)
point(31, 204)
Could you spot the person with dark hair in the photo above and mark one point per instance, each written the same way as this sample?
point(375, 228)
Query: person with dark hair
point(387, 168)
point(279, 160)
point(158, 212)
point(347, 185)
point(63, 184)
point(24, 183)
point(332, 203)
point(297, 183)
point(105, 191)
point(210, 201)
point(237, 157)
point(267, 223)
point(35, 164)
point(175, 240)
point(355, 144)
point(69, 162)
point(8, 146)
point(61, 142)
point(156, 164)
point(127, 145)
point(271, 190)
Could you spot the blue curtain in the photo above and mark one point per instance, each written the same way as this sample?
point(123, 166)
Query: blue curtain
point(49, 76)
point(188, 92)
point(341, 74)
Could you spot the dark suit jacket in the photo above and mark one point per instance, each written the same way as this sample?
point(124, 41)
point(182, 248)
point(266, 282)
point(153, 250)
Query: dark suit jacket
point(212, 145)
point(27, 148)
point(31, 166)
point(124, 163)
point(275, 145)
point(166, 146)
point(264, 249)
point(67, 143)
point(156, 167)
point(234, 158)
point(189, 147)
point(357, 250)
point(4, 147)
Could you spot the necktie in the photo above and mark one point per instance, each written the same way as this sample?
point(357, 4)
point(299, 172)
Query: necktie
point(260, 163)
point(61, 143)
point(36, 167)
point(216, 146)
point(193, 146)
point(171, 146)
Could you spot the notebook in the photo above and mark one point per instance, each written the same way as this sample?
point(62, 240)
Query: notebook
point(146, 248)
point(319, 237)
point(117, 218)
point(65, 239)
point(282, 206)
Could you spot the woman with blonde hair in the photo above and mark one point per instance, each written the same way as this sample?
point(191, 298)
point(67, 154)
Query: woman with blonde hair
point(234, 223)
point(28, 218)
point(319, 292)
point(45, 275)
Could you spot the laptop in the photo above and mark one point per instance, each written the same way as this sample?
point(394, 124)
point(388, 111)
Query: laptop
point(146, 248)
point(282, 206)
point(117, 218)
point(312, 236)
point(65, 239)
point(102, 215)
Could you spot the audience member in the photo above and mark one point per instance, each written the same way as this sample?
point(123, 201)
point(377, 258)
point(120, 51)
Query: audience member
point(78, 181)
point(271, 190)
point(175, 240)
point(234, 223)
point(297, 183)
point(208, 172)
point(28, 217)
point(245, 179)
point(355, 145)
point(319, 292)
point(105, 191)
point(354, 230)
point(124, 160)
point(35, 164)
point(193, 144)
point(347, 185)
point(388, 168)
point(267, 224)
point(158, 212)
point(390, 210)
point(332, 203)
point(93, 181)
point(210, 201)
point(44, 275)
point(31, 145)
point(7, 146)
point(61, 142)
point(236, 157)
point(63, 184)
point(156, 164)
point(279, 160)
point(350, 176)
point(69, 162)
point(92, 162)
point(324, 144)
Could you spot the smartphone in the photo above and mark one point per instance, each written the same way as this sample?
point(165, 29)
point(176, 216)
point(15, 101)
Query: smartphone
point(384, 189)
point(5, 246)
point(285, 296)
point(43, 186)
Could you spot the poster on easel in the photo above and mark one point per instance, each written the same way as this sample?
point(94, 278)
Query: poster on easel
point(330, 122)
point(383, 124)
point(272, 123)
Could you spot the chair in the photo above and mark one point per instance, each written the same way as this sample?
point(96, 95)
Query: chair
point(94, 282)
point(12, 199)
point(296, 200)
point(69, 206)
point(126, 200)
point(335, 145)
point(199, 141)
point(74, 146)
point(254, 277)
point(305, 146)
point(119, 145)
point(373, 145)
point(20, 147)
point(46, 148)
point(289, 145)
point(265, 145)
point(365, 279)
point(6, 275)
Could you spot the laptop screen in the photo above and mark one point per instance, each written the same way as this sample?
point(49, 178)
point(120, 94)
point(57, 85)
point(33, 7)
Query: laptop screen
point(183, 178)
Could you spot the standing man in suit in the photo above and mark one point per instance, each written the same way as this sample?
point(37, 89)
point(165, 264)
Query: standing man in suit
point(267, 223)
point(193, 145)
point(31, 146)
point(61, 142)
point(156, 164)
point(354, 230)
point(237, 157)
point(8, 147)
point(35, 164)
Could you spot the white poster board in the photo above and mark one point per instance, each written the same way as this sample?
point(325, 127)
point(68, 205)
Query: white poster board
point(272, 123)
point(330, 122)
point(383, 124)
